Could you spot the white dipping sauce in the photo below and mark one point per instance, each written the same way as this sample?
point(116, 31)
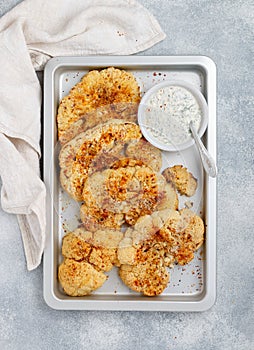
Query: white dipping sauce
point(168, 114)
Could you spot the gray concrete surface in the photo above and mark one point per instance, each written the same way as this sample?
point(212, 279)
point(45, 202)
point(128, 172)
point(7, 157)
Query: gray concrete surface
point(223, 30)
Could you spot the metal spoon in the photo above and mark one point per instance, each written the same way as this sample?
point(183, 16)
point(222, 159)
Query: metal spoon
point(207, 160)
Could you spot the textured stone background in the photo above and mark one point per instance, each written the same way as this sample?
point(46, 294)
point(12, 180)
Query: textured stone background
point(223, 30)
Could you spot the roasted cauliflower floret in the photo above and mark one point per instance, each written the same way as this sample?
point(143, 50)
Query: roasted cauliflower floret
point(185, 182)
point(96, 89)
point(147, 278)
point(77, 156)
point(144, 255)
point(98, 249)
point(155, 242)
point(87, 255)
point(79, 278)
point(130, 188)
point(185, 234)
point(104, 250)
point(75, 244)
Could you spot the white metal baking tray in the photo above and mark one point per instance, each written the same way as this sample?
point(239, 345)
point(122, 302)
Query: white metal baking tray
point(192, 287)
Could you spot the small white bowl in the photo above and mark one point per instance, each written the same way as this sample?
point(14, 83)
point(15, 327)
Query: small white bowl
point(143, 105)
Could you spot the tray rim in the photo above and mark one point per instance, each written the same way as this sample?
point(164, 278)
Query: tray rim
point(147, 304)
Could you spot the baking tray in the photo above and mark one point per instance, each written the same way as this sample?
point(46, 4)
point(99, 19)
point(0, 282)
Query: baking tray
point(192, 287)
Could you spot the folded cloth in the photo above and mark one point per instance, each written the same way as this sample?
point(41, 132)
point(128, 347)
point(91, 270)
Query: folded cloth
point(30, 34)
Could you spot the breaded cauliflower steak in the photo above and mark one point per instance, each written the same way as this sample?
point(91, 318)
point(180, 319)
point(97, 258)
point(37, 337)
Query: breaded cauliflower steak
point(184, 236)
point(77, 155)
point(125, 111)
point(156, 242)
point(149, 277)
point(98, 248)
point(96, 89)
point(132, 189)
point(144, 257)
point(79, 278)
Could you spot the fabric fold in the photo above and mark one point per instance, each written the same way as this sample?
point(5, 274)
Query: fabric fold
point(30, 34)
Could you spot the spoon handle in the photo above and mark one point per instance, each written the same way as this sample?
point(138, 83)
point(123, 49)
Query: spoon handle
point(207, 160)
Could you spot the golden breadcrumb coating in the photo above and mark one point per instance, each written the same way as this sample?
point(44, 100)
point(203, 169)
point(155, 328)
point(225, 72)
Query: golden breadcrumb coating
point(144, 232)
point(98, 248)
point(149, 278)
point(75, 244)
point(146, 152)
point(155, 242)
point(79, 278)
point(94, 218)
point(143, 255)
point(96, 89)
point(104, 251)
point(77, 155)
point(133, 189)
point(184, 181)
point(185, 234)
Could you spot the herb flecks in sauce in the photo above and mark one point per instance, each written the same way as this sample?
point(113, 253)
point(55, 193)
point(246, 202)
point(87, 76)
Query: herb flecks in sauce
point(168, 114)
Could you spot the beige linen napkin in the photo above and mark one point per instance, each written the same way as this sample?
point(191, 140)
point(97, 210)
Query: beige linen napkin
point(30, 34)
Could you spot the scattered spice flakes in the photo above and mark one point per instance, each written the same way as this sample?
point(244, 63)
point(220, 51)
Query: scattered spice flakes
point(121, 33)
point(188, 204)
